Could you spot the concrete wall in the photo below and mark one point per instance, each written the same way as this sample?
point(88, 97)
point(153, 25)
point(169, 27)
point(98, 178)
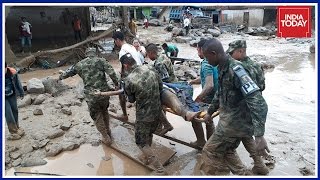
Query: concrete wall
point(236, 16)
point(48, 23)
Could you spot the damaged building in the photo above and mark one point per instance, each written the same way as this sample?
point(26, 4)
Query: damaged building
point(50, 25)
point(253, 16)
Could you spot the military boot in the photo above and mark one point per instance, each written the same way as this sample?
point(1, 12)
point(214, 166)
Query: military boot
point(259, 167)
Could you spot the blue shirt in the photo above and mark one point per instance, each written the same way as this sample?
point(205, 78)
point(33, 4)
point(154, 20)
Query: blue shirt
point(207, 70)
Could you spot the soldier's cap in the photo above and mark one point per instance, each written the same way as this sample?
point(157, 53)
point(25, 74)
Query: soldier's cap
point(90, 50)
point(124, 59)
point(236, 45)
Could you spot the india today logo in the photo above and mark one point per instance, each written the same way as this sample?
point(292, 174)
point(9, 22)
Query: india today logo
point(294, 21)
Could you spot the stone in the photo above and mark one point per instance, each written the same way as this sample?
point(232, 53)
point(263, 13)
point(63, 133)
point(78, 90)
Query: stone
point(194, 43)
point(183, 39)
point(177, 31)
point(39, 99)
point(15, 155)
point(90, 165)
point(199, 33)
point(208, 36)
point(70, 145)
point(37, 112)
point(73, 134)
point(26, 148)
point(154, 22)
point(312, 48)
point(76, 103)
point(55, 133)
point(16, 162)
point(57, 106)
point(168, 39)
point(25, 118)
point(35, 86)
point(66, 111)
point(33, 161)
point(66, 125)
point(53, 150)
point(52, 86)
point(27, 100)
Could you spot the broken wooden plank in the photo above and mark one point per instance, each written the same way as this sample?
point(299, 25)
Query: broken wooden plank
point(124, 142)
point(117, 117)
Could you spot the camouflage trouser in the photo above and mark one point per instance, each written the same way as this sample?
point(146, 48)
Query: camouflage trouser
point(250, 145)
point(143, 132)
point(98, 109)
point(219, 156)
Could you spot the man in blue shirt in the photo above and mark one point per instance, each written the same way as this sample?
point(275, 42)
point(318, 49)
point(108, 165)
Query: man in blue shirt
point(209, 82)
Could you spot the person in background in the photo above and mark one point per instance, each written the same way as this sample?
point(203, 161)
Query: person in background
point(76, 25)
point(133, 27)
point(186, 24)
point(13, 88)
point(140, 49)
point(25, 34)
point(145, 23)
point(170, 49)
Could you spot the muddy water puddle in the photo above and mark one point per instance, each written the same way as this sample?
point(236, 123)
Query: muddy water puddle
point(87, 161)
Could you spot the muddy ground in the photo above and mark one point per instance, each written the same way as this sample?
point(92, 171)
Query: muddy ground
point(290, 130)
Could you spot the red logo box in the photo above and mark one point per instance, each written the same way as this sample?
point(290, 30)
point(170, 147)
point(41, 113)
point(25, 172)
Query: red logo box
point(294, 21)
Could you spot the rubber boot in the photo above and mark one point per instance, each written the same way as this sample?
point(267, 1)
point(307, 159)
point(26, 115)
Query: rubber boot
point(259, 167)
point(198, 130)
point(235, 164)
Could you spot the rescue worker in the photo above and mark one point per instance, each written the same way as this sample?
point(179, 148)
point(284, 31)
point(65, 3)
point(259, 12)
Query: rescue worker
point(237, 50)
point(209, 82)
point(161, 63)
point(243, 113)
point(143, 86)
point(93, 72)
point(170, 49)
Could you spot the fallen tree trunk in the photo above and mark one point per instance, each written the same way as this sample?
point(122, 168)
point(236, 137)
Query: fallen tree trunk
point(27, 61)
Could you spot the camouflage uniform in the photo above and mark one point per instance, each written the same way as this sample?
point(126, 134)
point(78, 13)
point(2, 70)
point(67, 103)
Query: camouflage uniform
point(257, 75)
point(254, 68)
point(93, 72)
point(241, 115)
point(143, 85)
point(165, 69)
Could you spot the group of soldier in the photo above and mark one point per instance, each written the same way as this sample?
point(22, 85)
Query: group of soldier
point(232, 84)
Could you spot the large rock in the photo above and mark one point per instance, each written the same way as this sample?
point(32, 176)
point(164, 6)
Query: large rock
point(27, 100)
point(183, 39)
point(177, 31)
point(53, 150)
point(194, 43)
point(155, 22)
point(15, 155)
point(66, 125)
point(55, 133)
point(16, 162)
point(32, 161)
point(39, 99)
point(70, 145)
point(54, 87)
point(214, 32)
point(35, 86)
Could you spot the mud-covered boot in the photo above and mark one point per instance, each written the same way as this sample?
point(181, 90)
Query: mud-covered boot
point(106, 140)
point(259, 167)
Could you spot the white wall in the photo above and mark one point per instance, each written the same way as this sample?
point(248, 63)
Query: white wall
point(236, 16)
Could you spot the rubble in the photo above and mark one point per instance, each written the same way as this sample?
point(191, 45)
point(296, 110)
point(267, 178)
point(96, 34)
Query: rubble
point(53, 86)
point(25, 102)
point(35, 86)
point(155, 22)
point(32, 161)
point(66, 111)
point(37, 112)
point(55, 133)
point(39, 99)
